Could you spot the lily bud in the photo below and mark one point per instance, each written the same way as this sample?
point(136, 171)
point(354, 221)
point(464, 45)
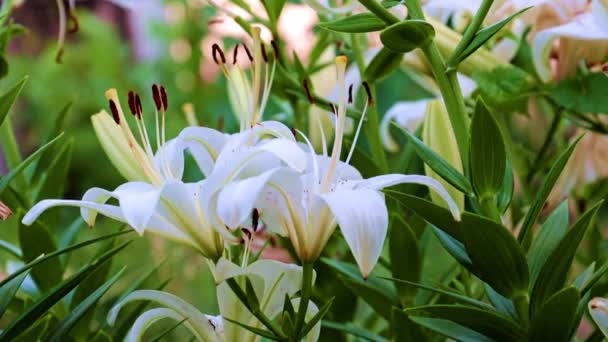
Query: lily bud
point(439, 136)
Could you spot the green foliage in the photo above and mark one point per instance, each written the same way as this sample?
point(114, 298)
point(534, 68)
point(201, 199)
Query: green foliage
point(582, 93)
point(358, 23)
point(407, 35)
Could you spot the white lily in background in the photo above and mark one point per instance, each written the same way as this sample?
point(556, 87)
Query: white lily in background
point(598, 310)
point(271, 280)
point(583, 36)
point(307, 206)
point(154, 200)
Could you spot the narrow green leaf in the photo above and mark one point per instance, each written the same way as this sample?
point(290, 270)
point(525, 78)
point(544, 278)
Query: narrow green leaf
point(488, 156)
point(356, 23)
point(354, 331)
point(588, 284)
point(274, 8)
point(56, 173)
point(429, 211)
point(484, 322)
point(317, 317)
point(454, 247)
point(483, 35)
point(77, 313)
point(450, 329)
point(5, 180)
point(42, 306)
point(167, 331)
point(407, 35)
point(60, 252)
point(252, 298)
point(11, 249)
point(555, 270)
point(438, 164)
point(496, 255)
point(257, 331)
point(382, 65)
point(404, 329)
point(7, 100)
point(554, 320)
point(502, 304)
point(525, 236)
point(547, 240)
point(8, 291)
point(378, 294)
point(405, 258)
point(36, 240)
point(505, 196)
point(457, 297)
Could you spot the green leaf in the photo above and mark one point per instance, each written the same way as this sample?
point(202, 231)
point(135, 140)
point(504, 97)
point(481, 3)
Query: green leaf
point(8, 291)
point(317, 317)
point(257, 331)
point(555, 270)
point(36, 240)
point(547, 240)
point(488, 156)
point(483, 35)
point(505, 88)
point(454, 247)
point(582, 93)
point(382, 65)
point(525, 236)
point(3, 69)
point(497, 257)
point(429, 211)
point(58, 253)
point(376, 293)
point(407, 35)
point(252, 298)
point(11, 249)
point(505, 196)
point(484, 322)
point(77, 313)
point(457, 297)
point(404, 329)
point(43, 305)
point(274, 8)
point(6, 180)
point(555, 319)
point(86, 288)
point(502, 304)
point(588, 282)
point(354, 331)
point(405, 258)
point(356, 23)
point(450, 329)
point(438, 164)
point(7, 100)
point(166, 332)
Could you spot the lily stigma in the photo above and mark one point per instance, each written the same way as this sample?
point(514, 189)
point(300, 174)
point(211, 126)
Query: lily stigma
point(154, 199)
point(307, 205)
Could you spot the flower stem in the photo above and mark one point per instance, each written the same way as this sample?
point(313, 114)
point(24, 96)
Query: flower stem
point(381, 12)
point(307, 270)
point(522, 307)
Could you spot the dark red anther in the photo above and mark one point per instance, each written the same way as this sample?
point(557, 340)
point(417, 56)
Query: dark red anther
point(249, 55)
point(235, 54)
point(114, 110)
point(156, 97)
point(132, 104)
point(217, 51)
point(246, 232)
point(295, 133)
point(350, 94)
point(140, 109)
point(255, 219)
point(264, 55)
point(275, 50)
point(308, 93)
point(370, 99)
point(163, 97)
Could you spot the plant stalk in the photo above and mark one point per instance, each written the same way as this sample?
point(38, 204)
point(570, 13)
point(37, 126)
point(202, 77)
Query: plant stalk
point(307, 270)
point(470, 32)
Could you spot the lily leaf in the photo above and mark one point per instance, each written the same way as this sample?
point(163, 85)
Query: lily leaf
point(450, 329)
point(8, 291)
point(407, 35)
point(555, 319)
point(555, 270)
point(8, 99)
point(484, 322)
point(357, 23)
point(382, 65)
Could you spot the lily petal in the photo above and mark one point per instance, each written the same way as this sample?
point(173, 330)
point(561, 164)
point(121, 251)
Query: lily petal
point(363, 219)
point(138, 201)
point(204, 144)
point(407, 114)
point(383, 181)
point(111, 211)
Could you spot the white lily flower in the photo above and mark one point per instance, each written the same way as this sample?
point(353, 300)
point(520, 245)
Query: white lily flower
point(584, 37)
point(307, 206)
point(271, 280)
point(155, 200)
